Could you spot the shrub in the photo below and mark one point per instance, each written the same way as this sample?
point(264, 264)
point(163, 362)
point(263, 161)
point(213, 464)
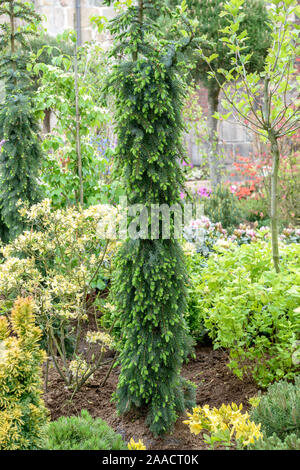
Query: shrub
point(22, 411)
point(279, 410)
point(21, 154)
point(59, 262)
point(82, 433)
point(250, 309)
point(149, 280)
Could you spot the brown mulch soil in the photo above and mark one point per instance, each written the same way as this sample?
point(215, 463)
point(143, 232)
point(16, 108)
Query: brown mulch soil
point(215, 385)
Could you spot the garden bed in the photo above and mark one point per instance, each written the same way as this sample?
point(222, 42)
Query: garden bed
point(215, 385)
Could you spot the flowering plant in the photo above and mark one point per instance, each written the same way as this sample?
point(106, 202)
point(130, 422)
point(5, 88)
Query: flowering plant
point(290, 235)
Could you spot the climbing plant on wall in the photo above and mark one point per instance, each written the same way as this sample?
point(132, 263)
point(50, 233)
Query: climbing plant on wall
point(20, 155)
point(149, 283)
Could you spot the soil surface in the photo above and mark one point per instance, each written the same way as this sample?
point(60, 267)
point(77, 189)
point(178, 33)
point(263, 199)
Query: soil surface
point(215, 385)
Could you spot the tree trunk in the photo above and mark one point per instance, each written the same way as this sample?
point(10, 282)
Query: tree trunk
point(274, 199)
point(47, 121)
point(214, 164)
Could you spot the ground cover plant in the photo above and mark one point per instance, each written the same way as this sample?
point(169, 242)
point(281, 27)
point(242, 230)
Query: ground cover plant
point(60, 261)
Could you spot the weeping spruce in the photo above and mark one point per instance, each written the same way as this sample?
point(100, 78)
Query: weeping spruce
point(21, 153)
point(150, 278)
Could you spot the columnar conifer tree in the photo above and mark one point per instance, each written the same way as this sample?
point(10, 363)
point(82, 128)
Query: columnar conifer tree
point(149, 284)
point(21, 152)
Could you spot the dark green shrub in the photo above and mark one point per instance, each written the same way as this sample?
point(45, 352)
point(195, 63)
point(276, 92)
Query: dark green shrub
point(254, 210)
point(82, 433)
point(223, 206)
point(279, 411)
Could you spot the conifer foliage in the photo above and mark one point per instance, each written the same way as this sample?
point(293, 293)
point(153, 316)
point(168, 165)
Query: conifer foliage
point(149, 284)
point(20, 155)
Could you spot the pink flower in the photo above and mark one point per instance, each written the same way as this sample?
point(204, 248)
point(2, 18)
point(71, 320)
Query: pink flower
point(182, 195)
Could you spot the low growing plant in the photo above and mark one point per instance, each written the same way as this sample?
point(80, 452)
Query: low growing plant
point(82, 433)
point(291, 442)
point(279, 411)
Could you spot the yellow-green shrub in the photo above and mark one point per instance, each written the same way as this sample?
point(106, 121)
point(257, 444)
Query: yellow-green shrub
point(22, 411)
point(59, 261)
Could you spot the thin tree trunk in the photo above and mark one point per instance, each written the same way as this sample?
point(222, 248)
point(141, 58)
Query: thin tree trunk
point(274, 199)
point(78, 146)
point(214, 164)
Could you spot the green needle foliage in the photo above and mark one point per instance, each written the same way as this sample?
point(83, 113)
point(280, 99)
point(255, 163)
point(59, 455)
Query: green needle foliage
point(20, 155)
point(149, 284)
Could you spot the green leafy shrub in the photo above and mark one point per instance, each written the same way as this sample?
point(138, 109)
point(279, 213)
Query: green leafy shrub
point(250, 309)
point(82, 433)
point(222, 206)
point(195, 262)
point(22, 411)
point(278, 410)
point(204, 234)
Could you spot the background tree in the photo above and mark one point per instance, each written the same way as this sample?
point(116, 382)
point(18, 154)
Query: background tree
point(149, 284)
point(21, 152)
point(207, 13)
point(266, 102)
